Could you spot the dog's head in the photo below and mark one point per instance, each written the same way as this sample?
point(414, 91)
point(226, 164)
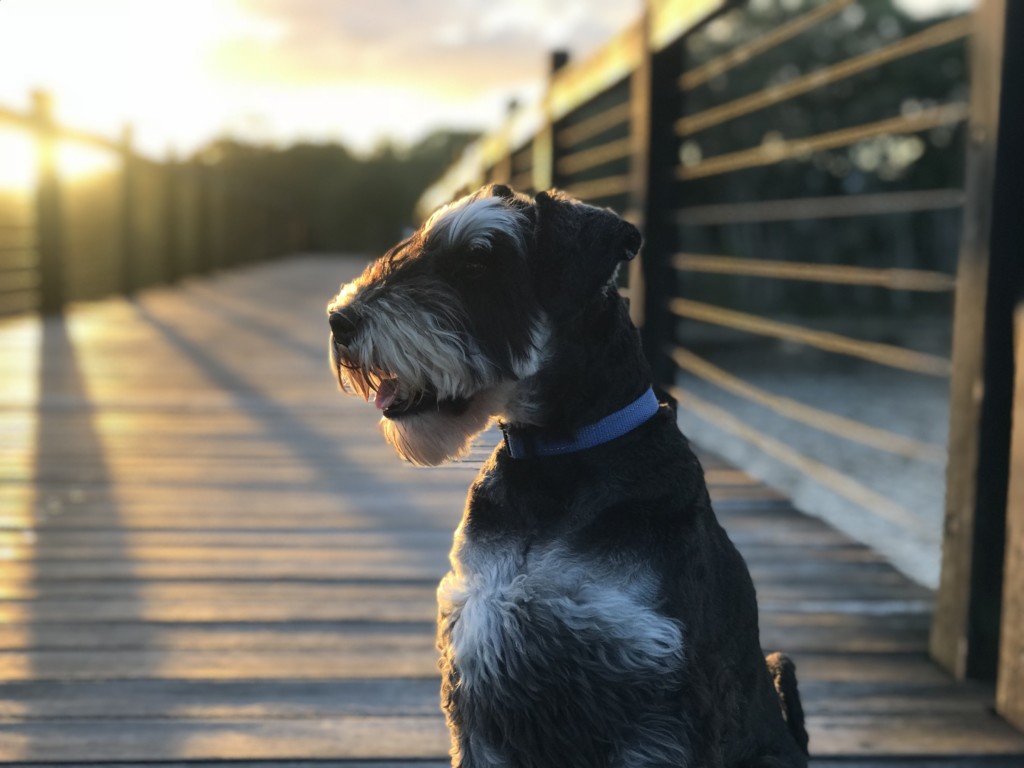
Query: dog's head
point(445, 327)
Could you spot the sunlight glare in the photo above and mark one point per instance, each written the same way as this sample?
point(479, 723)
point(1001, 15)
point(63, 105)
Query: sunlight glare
point(76, 162)
point(147, 63)
point(17, 161)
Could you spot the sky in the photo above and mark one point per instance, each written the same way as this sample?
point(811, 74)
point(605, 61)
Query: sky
point(277, 71)
point(280, 70)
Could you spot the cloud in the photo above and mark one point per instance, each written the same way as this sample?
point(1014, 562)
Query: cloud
point(276, 70)
point(463, 47)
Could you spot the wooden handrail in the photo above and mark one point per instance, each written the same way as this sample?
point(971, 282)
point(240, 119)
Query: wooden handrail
point(771, 39)
point(932, 37)
point(835, 274)
point(833, 424)
point(872, 351)
point(786, 149)
point(837, 206)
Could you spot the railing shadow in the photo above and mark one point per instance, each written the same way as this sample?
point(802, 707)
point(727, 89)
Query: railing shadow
point(80, 590)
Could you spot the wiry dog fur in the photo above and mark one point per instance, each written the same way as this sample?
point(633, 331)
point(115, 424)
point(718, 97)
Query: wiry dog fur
point(596, 614)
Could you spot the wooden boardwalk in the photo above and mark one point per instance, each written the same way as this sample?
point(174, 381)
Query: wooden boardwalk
point(207, 555)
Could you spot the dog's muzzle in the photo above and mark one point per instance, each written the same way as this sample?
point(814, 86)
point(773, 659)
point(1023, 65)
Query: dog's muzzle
point(380, 385)
point(343, 327)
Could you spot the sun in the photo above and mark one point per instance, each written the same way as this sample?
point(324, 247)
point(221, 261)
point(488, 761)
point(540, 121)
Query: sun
point(107, 63)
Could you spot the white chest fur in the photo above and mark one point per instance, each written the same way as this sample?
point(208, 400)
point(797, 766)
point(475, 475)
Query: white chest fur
point(509, 615)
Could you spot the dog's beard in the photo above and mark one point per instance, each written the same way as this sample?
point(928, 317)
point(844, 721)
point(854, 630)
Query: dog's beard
point(430, 438)
point(421, 429)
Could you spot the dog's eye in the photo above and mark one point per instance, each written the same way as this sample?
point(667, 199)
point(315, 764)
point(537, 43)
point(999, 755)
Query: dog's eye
point(475, 261)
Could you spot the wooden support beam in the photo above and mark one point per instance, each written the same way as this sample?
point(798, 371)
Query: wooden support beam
point(48, 207)
point(965, 632)
point(1010, 686)
point(172, 267)
point(201, 177)
point(656, 103)
point(129, 274)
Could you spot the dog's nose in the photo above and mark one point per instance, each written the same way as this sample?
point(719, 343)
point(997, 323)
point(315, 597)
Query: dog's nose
point(343, 327)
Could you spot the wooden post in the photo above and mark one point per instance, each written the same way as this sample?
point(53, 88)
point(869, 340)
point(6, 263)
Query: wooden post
point(220, 245)
point(129, 272)
point(545, 144)
point(48, 215)
point(965, 631)
point(641, 98)
point(1010, 686)
point(204, 200)
point(501, 173)
point(657, 103)
point(172, 268)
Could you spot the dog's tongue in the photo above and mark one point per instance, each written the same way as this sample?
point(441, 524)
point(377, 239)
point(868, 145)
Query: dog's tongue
point(386, 394)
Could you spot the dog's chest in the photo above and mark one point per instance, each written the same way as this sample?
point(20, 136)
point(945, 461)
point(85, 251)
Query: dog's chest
point(515, 618)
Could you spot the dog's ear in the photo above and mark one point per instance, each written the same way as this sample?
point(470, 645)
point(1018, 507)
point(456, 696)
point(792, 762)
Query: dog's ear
point(578, 249)
point(498, 190)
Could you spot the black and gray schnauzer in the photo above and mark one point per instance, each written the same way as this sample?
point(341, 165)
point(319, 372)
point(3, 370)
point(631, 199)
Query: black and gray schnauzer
point(596, 614)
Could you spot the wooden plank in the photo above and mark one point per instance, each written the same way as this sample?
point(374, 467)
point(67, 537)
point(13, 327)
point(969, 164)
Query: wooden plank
point(307, 738)
point(161, 664)
point(977, 733)
point(201, 565)
point(219, 700)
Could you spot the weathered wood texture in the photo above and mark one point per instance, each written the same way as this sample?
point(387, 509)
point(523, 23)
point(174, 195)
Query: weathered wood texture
point(965, 635)
point(209, 555)
point(1010, 685)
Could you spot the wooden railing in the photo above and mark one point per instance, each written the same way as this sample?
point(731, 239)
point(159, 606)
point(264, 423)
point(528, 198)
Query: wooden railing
point(768, 206)
point(143, 223)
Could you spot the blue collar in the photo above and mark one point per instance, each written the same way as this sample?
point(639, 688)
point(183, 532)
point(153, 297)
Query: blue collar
point(529, 443)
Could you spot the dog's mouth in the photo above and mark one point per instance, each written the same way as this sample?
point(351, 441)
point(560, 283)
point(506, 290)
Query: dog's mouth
point(393, 399)
point(395, 404)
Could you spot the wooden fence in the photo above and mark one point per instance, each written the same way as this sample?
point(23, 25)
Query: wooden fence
point(793, 188)
point(143, 223)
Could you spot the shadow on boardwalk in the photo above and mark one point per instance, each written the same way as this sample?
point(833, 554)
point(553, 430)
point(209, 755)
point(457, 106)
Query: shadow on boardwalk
point(214, 557)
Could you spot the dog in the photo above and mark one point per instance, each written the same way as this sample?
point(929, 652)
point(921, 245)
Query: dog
point(596, 613)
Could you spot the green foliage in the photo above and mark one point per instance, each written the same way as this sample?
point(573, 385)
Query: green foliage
point(344, 202)
point(905, 162)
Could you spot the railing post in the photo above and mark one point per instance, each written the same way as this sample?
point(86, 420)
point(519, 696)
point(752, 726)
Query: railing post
point(219, 232)
point(656, 103)
point(48, 213)
point(204, 199)
point(545, 143)
point(171, 220)
point(965, 631)
point(640, 100)
point(1005, 348)
point(1010, 686)
point(129, 272)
